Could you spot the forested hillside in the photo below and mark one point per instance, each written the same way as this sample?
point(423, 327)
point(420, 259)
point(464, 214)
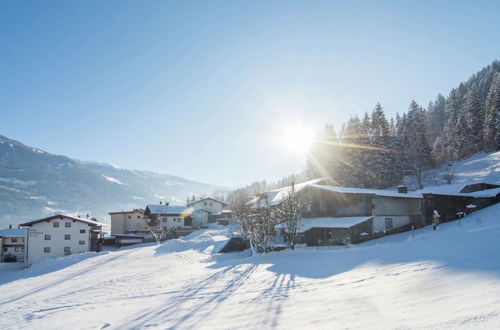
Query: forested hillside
point(377, 152)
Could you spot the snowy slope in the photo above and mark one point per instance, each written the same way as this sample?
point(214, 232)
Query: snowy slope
point(482, 167)
point(448, 278)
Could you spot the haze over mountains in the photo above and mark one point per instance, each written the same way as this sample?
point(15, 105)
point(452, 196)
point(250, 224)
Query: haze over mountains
point(35, 183)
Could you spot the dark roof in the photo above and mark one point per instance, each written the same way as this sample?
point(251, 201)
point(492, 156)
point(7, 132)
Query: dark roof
point(480, 186)
point(61, 216)
point(200, 200)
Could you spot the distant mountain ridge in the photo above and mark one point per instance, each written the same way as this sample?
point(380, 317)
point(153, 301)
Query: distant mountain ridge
point(35, 183)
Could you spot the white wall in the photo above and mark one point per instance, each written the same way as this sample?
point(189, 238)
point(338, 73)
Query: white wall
point(57, 242)
point(122, 222)
point(210, 205)
point(169, 222)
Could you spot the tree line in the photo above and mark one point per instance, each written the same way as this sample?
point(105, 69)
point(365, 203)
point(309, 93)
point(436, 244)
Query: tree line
point(376, 152)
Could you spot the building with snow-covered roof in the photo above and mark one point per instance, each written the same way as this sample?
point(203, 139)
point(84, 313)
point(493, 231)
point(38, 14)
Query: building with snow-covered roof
point(391, 210)
point(331, 230)
point(166, 217)
point(207, 209)
point(61, 235)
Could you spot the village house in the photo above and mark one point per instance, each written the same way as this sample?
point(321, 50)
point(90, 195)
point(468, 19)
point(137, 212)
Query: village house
point(13, 245)
point(166, 217)
point(334, 215)
point(128, 222)
point(61, 235)
point(207, 210)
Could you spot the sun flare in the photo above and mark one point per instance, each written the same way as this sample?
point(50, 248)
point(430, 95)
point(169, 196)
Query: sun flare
point(297, 138)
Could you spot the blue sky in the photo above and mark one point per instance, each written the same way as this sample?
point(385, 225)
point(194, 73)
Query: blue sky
point(203, 89)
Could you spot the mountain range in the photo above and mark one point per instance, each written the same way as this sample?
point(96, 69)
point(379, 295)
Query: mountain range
point(35, 183)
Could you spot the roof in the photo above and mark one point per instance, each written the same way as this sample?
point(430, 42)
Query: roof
point(364, 191)
point(276, 196)
point(203, 199)
point(87, 221)
point(127, 212)
point(485, 193)
point(165, 209)
point(327, 222)
point(13, 232)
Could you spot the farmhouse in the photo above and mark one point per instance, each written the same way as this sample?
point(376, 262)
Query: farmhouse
point(61, 235)
point(335, 213)
point(13, 245)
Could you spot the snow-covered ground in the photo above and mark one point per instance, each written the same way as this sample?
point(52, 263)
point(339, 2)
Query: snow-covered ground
point(482, 167)
point(449, 278)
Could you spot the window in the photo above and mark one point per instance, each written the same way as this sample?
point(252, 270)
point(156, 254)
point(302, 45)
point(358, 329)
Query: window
point(5, 249)
point(22, 249)
point(14, 240)
point(138, 217)
point(46, 249)
point(130, 217)
point(67, 237)
point(322, 205)
point(67, 224)
point(388, 223)
point(81, 242)
point(47, 237)
point(67, 249)
point(16, 249)
point(211, 204)
point(205, 203)
point(82, 231)
point(55, 224)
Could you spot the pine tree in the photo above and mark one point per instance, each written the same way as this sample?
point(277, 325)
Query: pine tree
point(491, 135)
point(474, 117)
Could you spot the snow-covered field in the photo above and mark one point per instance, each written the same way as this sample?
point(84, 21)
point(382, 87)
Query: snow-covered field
point(449, 278)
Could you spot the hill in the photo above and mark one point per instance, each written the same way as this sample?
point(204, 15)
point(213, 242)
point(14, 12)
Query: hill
point(34, 183)
point(448, 278)
point(481, 167)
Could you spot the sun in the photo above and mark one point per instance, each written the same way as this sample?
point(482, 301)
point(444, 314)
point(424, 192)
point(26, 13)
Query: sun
point(297, 138)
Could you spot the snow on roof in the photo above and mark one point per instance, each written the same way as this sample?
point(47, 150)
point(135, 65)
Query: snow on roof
point(377, 192)
point(87, 221)
point(166, 209)
point(13, 232)
point(203, 199)
point(327, 222)
point(276, 196)
point(484, 193)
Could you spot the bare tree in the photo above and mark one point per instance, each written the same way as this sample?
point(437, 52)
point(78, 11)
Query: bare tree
point(448, 174)
point(155, 228)
point(290, 210)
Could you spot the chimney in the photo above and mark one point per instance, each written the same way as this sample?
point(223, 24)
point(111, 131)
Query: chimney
point(403, 189)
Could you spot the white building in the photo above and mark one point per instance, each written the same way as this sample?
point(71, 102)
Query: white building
point(127, 222)
point(13, 245)
point(167, 217)
point(212, 205)
point(61, 235)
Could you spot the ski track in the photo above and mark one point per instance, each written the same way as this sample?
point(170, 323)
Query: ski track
point(444, 279)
